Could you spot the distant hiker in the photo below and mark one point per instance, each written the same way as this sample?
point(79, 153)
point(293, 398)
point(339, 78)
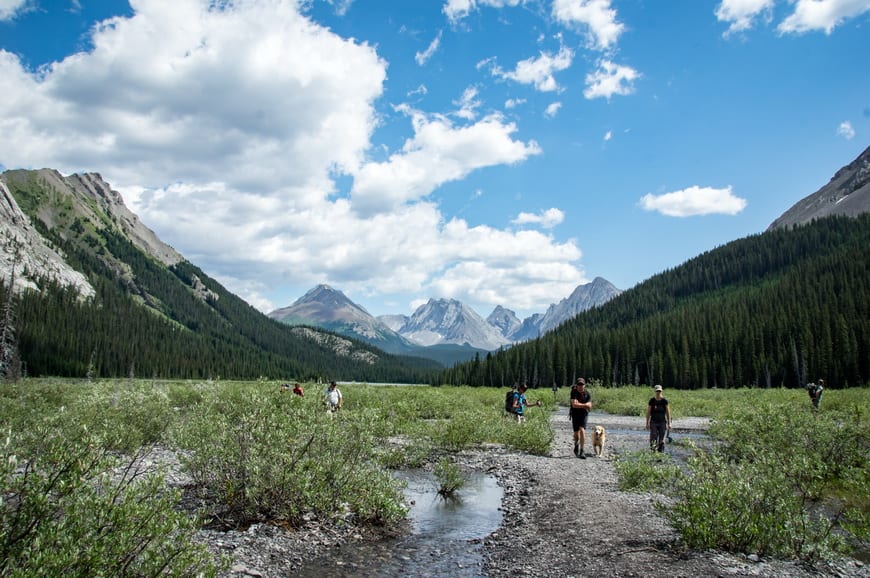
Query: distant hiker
point(332, 397)
point(285, 386)
point(658, 420)
point(815, 391)
point(521, 403)
point(581, 403)
point(297, 389)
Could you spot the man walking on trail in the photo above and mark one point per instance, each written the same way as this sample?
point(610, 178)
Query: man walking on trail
point(581, 403)
point(658, 420)
point(521, 403)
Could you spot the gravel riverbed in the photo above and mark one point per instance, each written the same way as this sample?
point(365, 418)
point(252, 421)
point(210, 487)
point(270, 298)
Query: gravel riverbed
point(561, 517)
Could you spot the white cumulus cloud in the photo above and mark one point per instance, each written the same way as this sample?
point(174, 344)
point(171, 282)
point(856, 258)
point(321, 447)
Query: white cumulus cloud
point(596, 16)
point(225, 126)
point(845, 130)
point(803, 15)
point(539, 71)
point(459, 9)
point(694, 201)
point(610, 79)
point(10, 8)
point(547, 219)
point(824, 15)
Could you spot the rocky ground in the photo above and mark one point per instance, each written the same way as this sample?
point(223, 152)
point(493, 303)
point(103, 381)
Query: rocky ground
point(562, 517)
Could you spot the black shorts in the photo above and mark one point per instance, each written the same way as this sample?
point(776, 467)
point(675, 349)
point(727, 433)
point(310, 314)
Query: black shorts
point(579, 419)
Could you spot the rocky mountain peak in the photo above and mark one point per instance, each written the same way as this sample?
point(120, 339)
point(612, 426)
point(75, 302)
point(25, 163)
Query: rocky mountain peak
point(450, 321)
point(847, 193)
point(505, 320)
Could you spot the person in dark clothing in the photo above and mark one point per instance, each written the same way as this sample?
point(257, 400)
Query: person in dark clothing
point(581, 403)
point(658, 420)
point(815, 390)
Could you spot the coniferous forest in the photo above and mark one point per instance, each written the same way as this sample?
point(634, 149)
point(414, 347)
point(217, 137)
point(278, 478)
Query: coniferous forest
point(777, 309)
point(178, 334)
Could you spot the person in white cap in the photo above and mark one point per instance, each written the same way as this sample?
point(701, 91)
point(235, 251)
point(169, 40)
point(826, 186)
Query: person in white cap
point(658, 420)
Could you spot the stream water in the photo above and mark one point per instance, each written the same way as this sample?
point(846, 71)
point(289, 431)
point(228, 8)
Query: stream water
point(445, 537)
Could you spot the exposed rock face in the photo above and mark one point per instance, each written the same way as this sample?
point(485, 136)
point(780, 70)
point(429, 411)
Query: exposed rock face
point(24, 252)
point(92, 185)
point(449, 321)
point(330, 309)
point(68, 202)
point(584, 297)
point(505, 320)
point(848, 193)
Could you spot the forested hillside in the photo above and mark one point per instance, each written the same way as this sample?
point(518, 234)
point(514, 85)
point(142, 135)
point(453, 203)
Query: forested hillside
point(152, 320)
point(776, 309)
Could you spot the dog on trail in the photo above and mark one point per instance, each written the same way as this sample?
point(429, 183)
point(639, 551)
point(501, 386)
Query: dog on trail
point(599, 438)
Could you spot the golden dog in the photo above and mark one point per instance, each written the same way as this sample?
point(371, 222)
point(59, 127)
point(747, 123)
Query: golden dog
point(599, 438)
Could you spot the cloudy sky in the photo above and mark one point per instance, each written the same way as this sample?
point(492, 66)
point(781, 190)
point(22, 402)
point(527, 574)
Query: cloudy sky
point(500, 152)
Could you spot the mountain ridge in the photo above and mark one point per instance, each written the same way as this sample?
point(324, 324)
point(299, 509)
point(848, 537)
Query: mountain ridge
point(847, 193)
point(442, 322)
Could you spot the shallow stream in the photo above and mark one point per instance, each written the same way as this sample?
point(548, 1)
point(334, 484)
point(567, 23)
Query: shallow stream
point(445, 540)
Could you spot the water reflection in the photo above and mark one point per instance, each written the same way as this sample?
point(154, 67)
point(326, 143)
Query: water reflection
point(445, 538)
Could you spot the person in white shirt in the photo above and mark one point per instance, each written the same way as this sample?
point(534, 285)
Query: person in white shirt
point(332, 396)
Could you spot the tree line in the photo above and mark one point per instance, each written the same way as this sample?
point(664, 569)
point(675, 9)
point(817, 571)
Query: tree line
point(777, 309)
point(146, 321)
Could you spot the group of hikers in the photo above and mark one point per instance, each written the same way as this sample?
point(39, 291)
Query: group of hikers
point(332, 397)
point(658, 414)
point(658, 411)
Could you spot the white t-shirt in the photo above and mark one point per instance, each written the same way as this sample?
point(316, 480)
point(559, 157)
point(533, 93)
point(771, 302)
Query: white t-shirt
point(333, 396)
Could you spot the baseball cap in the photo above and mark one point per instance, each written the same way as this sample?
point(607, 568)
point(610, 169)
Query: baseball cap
point(658, 388)
point(581, 381)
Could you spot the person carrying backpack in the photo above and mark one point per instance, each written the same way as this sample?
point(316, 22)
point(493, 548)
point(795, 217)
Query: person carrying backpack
point(521, 403)
point(815, 390)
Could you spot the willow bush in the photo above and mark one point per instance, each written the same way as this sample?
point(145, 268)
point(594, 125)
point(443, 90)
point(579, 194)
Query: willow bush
point(71, 507)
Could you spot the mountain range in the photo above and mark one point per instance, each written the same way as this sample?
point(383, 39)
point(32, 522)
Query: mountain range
point(96, 291)
point(442, 329)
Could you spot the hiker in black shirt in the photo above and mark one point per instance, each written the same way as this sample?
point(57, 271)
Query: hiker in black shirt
point(581, 403)
point(658, 420)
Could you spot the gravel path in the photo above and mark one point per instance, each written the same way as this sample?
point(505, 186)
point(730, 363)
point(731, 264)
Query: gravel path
point(565, 517)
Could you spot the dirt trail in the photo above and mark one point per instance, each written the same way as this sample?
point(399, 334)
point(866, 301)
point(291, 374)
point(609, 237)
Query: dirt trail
point(565, 516)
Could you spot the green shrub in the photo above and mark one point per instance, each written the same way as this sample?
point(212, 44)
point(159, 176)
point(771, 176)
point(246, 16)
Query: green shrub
point(782, 482)
point(266, 457)
point(646, 471)
point(70, 508)
point(450, 478)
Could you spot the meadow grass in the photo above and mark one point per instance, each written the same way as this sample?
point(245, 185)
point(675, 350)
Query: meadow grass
point(265, 454)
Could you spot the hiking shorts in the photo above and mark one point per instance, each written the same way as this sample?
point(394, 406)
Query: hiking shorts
point(579, 419)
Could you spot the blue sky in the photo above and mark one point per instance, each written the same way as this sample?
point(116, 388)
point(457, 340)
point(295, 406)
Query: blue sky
point(499, 152)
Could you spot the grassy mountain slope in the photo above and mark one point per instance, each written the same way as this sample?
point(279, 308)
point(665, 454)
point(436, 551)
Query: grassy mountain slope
point(150, 318)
